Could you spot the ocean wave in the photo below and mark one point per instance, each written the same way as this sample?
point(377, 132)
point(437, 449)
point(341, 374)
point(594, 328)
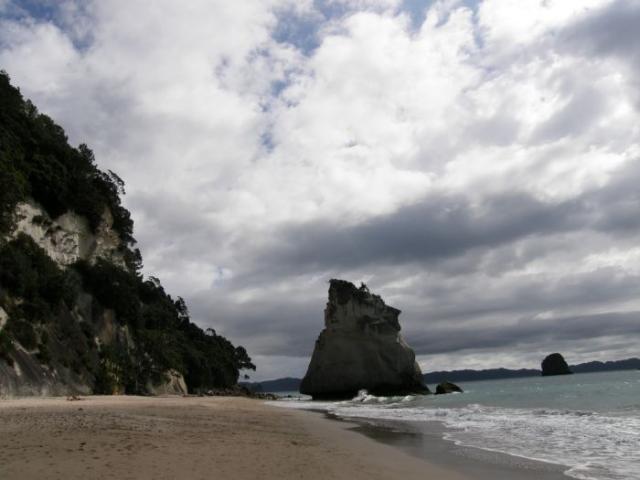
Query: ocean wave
point(364, 397)
point(593, 446)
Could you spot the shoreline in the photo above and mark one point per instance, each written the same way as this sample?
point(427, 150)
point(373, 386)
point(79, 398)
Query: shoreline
point(191, 438)
point(425, 440)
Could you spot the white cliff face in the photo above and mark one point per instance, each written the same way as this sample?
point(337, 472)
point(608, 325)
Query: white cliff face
point(68, 238)
point(3, 318)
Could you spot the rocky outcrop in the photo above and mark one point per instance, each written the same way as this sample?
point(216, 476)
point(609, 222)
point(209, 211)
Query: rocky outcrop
point(3, 318)
point(24, 376)
point(68, 238)
point(447, 387)
point(24, 373)
point(65, 240)
point(174, 384)
point(555, 364)
point(360, 348)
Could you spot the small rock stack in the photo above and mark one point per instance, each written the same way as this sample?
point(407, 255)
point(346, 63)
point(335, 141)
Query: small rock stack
point(555, 364)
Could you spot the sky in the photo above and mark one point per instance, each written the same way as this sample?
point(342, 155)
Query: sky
point(476, 163)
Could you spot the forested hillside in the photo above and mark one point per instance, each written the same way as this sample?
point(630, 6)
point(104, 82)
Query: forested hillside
point(92, 322)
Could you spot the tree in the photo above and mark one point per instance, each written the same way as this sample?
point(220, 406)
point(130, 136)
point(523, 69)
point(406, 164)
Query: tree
point(243, 361)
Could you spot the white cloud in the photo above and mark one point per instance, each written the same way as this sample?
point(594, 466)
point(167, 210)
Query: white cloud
point(510, 25)
point(226, 136)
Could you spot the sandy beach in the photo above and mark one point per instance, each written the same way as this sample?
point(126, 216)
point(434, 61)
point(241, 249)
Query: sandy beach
point(189, 438)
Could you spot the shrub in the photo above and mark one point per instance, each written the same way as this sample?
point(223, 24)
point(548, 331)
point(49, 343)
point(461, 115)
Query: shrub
point(44, 356)
point(6, 345)
point(23, 332)
point(26, 271)
point(113, 287)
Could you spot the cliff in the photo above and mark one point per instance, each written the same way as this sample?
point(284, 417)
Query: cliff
point(360, 348)
point(68, 238)
point(76, 314)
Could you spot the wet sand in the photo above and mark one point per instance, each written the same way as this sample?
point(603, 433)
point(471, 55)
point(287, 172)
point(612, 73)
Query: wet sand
point(191, 438)
point(425, 440)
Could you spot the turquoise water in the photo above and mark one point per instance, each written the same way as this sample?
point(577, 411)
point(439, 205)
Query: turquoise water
point(597, 392)
point(588, 422)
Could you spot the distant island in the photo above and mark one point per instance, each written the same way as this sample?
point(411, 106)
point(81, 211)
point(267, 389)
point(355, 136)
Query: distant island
point(290, 384)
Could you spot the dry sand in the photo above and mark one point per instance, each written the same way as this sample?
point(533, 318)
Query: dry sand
point(189, 438)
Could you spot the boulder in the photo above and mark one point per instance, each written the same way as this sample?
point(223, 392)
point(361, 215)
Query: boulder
point(555, 364)
point(360, 348)
point(447, 387)
point(173, 384)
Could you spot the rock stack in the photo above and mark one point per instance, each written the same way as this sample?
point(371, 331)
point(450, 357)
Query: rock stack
point(555, 364)
point(360, 348)
point(447, 387)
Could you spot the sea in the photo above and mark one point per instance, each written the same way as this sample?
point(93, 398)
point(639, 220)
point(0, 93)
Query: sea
point(588, 423)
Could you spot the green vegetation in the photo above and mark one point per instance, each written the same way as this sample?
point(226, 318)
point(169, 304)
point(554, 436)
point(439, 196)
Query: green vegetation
point(37, 162)
point(47, 306)
point(163, 331)
point(6, 346)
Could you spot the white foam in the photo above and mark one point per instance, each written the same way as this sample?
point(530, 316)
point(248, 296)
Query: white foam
point(593, 446)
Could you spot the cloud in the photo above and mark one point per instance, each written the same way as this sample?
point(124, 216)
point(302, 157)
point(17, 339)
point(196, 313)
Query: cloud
point(475, 162)
point(609, 30)
point(443, 226)
point(531, 331)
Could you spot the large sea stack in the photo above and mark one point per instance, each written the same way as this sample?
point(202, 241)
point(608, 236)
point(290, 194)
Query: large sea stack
point(360, 348)
point(555, 364)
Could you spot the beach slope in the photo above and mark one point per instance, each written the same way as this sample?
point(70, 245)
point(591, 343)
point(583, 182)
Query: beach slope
point(189, 438)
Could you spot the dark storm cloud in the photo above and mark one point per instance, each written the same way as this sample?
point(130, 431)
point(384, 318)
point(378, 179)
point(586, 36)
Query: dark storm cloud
point(436, 228)
point(586, 289)
point(293, 323)
point(442, 227)
point(456, 318)
point(526, 331)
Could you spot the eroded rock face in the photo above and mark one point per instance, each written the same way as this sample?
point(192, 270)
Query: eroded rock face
point(360, 348)
point(26, 376)
point(23, 374)
point(3, 318)
point(174, 385)
point(555, 364)
point(68, 238)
